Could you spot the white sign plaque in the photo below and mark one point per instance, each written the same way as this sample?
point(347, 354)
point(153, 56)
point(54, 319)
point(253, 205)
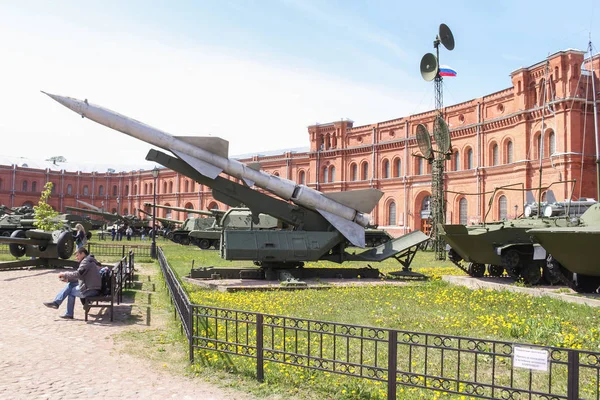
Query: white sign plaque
point(530, 359)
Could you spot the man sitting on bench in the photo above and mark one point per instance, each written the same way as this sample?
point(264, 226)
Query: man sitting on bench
point(88, 283)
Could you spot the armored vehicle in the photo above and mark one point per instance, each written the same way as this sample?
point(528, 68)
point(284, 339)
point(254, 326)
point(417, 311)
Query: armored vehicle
point(190, 224)
point(232, 219)
point(573, 250)
point(136, 223)
point(506, 245)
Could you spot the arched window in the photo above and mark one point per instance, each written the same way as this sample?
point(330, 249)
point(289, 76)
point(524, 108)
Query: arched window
point(100, 190)
point(135, 191)
point(34, 186)
point(0, 183)
point(532, 94)
point(419, 166)
point(392, 214)
point(365, 171)
point(164, 187)
point(69, 189)
point(145, 188)
point(509, 152)
point(302, 178)
point(551, 143)
point(398, 168)
point(543, 95)
point(325, 175)
point(456, 161)
point(187, 186)
point(332, 174)
point(86, 190)
point(53, 188)
point(115, 190)
point(502, 208)
point(495, 160)
point(354, 172)
point(126, 190)
point(171, 187)
point(25, 186)
point(213, 206)
point(189, 206)
point(125, 211)
point(193, 186)
point(386, 169)
point(470, 158)
point(538, 149)
point(463, 209)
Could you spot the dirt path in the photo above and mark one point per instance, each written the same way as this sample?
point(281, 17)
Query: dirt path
point(45, 357)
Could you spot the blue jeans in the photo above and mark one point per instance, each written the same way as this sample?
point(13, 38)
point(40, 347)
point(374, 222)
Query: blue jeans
point(70, 292)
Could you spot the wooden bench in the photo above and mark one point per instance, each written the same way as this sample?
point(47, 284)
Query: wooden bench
point(115, 296)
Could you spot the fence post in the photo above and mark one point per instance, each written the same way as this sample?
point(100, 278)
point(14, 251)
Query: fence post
point(260, 371)
point(123, 252)
point(191, 331)
point(392, 364)
point(573, 375)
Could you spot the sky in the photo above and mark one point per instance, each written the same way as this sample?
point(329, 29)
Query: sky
point(256, 73)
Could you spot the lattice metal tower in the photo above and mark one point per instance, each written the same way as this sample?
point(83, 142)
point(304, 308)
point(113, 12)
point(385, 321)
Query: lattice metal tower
point(430, 70)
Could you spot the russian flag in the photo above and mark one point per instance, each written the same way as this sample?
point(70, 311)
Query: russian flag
point(447, 71)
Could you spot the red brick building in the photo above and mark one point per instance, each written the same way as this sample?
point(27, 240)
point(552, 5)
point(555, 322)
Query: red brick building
point(496, 140)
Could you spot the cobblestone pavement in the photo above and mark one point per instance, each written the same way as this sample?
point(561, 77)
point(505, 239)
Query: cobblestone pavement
point(45, 357)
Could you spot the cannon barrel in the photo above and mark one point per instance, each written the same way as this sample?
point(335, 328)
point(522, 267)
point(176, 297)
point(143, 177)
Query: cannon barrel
point(189, 210)
point(166, 220)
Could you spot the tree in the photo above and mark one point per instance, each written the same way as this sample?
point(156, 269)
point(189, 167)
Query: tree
point(43, 214)
point(56, 159)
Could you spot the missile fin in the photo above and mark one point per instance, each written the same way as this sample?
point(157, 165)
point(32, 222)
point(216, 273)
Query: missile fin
point(223, 198)
point(529, 199)
point(248, 182)
point(254, 165)
point(213, 144)
point(206, 169)
point(363, 200)
point(550, 198)
point(351, 230)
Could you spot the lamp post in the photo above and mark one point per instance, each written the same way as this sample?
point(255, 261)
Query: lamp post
point(153, 248)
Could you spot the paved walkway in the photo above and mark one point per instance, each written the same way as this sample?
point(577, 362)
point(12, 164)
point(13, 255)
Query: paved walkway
point(45, 357)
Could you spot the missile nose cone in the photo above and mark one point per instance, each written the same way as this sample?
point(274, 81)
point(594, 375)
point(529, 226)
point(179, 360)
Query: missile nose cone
point(69, 102)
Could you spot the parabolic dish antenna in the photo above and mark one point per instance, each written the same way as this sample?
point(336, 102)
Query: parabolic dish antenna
point(429, 67)
point(424, 141)
point(442, 135)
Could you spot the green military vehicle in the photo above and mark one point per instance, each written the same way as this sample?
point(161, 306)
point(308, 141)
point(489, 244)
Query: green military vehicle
point(507, 245)
point(572, 250)
point(232, 219)
point(181, 235)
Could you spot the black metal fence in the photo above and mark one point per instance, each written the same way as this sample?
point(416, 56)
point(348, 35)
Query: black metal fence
point(117, 250)
point(481, 368)
point(105, 249)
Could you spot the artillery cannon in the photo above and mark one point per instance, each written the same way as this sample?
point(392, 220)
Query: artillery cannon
point(190, 224)
point(129, 220)
point(44, 248)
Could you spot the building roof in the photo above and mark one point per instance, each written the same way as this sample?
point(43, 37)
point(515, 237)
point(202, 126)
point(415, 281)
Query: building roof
point(104, 167)
point(72, 166)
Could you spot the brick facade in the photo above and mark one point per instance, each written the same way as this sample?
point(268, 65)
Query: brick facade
point(496, 141)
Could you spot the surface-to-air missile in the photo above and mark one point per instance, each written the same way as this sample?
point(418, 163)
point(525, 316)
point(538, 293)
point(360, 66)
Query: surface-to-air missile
point(320, 224)
point(506, 245)
point(572, 252)
point(346, 211)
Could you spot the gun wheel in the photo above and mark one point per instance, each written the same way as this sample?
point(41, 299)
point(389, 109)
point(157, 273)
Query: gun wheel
point(185, 241)
point(204, 244)
point(65, 245)
point(17, 250)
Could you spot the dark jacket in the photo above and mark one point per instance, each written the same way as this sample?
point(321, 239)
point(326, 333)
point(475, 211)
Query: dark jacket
point(88, 275)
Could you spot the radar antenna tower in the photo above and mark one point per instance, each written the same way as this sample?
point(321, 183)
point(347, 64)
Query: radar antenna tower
point(430, 70)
